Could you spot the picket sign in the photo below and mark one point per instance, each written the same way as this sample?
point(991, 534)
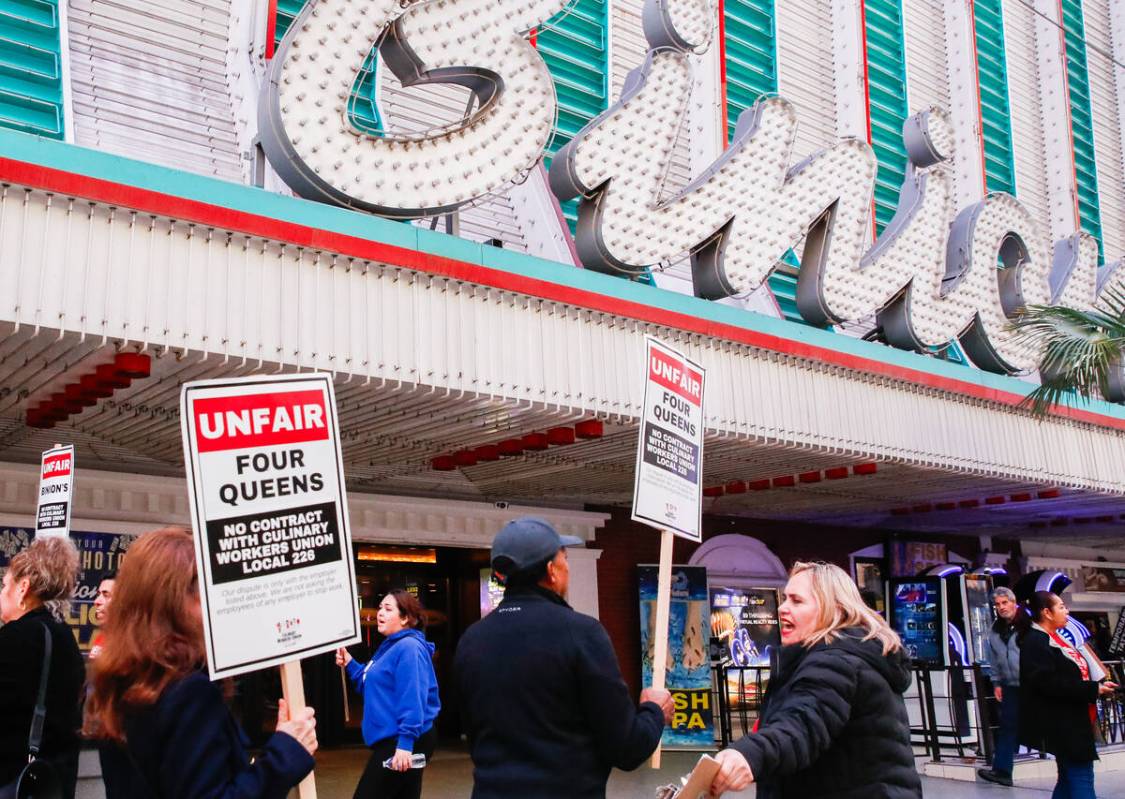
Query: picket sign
point(668, 483)
point(270, 518)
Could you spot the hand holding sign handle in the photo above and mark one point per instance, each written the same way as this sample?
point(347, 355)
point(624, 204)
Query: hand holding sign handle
point(299, 720)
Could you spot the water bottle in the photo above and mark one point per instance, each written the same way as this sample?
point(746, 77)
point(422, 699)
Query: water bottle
point(417, 760)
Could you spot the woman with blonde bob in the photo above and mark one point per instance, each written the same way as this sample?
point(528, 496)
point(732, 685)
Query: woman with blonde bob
point(151, 694)
point(833, 722)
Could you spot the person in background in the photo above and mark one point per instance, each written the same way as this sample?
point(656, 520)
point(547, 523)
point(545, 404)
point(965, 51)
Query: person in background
point(547, 711)
point(101, 604)
point(151, 694)
point(1058, 698)
point(36, 594)
point(112, 758)
point(400, 700)
point(833, 721)
point(1004, 662)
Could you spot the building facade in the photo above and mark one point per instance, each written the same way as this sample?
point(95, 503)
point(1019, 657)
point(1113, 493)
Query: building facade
point(485, 330)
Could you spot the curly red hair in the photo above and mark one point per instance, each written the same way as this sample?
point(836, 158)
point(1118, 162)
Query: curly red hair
point(153, 634)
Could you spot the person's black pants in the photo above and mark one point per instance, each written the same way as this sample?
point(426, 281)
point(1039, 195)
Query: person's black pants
point(378, 782)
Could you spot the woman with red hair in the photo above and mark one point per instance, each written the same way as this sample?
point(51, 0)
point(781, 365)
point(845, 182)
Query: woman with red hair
point(151, 693)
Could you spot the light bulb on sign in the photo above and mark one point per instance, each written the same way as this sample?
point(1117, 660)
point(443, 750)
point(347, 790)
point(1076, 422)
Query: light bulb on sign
point(515, 96)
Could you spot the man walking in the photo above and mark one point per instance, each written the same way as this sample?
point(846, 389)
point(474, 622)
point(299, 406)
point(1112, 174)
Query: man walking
point(547, 711)
point(1004, 661)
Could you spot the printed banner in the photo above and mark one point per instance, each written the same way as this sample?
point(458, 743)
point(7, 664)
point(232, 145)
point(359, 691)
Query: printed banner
point(689, 669)
point(269, 512)
point(100, 555)
point(668, 488)
point(1102, 578)
point(56, 491)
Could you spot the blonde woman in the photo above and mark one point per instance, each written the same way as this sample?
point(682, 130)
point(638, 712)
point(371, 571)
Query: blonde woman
point(833, 722)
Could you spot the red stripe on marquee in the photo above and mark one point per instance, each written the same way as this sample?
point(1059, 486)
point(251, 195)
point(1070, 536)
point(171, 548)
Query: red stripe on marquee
point(271, 28)
point(145, 200)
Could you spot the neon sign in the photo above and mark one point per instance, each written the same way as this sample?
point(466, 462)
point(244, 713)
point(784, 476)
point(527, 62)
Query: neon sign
point(934, 275)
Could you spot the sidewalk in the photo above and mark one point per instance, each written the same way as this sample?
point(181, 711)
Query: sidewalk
point(450, 777)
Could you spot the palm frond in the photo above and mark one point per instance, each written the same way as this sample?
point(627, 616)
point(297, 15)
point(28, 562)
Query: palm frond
point(1080, 349)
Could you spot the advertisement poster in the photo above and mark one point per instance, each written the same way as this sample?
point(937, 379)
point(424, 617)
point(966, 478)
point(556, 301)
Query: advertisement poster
point(668, 488)
point(1101, 578)
point(916, 614)
point(100, 555)
point(265, 478)
point(491, 592)
point(689, 668)
point(744, 620)
point(911, 558)
point(56, 491)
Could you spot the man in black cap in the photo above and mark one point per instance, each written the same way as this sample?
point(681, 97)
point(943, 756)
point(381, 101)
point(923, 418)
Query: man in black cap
point(546, 709)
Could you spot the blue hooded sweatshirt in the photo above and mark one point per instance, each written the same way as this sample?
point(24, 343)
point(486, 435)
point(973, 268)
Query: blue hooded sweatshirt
point(399, 687)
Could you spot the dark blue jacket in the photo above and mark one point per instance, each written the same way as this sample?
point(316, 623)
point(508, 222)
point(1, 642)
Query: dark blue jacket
point(188, 746)
point(834, 724)
point(400, 690)
point(547, 711)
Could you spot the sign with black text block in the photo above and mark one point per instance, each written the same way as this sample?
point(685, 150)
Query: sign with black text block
point(668, 487)
point(273, 545)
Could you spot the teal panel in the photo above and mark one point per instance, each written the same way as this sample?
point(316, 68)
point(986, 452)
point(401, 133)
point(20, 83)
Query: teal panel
point(287, 11)
point(995, 108)
point(573, 44)
point(1082, 121)
point(751, 55)
point(886, 89)
point(31, 91)
point(362, 110)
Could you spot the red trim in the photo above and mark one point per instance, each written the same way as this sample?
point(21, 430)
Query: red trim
point(867, 96)
point(271, 28)
point(147, 201)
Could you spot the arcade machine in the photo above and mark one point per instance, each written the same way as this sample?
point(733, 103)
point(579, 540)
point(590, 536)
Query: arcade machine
point(943, 617)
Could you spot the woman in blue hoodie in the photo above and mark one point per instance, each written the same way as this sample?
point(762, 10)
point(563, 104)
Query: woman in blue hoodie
point(400, 700)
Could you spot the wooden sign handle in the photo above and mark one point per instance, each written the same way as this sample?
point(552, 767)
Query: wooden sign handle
point(293, 691)
point(663, 608)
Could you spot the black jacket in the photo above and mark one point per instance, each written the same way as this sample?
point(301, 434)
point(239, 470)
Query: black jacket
point(834, 724)
point(188, 746)
point(1055, 701)
point(21, 660)
point(547, 711)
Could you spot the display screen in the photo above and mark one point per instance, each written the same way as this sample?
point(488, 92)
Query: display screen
point(978, 590)
point(917, 616)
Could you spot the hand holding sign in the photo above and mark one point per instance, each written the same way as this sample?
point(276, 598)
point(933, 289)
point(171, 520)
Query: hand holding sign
point(301, 725)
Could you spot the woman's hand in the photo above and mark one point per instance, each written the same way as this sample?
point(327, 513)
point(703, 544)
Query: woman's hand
point(734, 773)
point(401, 760)
point(342, 657)
point(1107, 688)
point(302, 727)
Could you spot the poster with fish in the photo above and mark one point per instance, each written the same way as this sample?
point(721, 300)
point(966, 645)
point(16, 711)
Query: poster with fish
point(689, 667)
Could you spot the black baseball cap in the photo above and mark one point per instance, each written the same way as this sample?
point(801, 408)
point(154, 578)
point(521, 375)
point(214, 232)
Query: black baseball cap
point(525, 543)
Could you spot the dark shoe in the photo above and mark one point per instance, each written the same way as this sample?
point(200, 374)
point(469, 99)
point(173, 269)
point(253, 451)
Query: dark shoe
point(988, 775)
